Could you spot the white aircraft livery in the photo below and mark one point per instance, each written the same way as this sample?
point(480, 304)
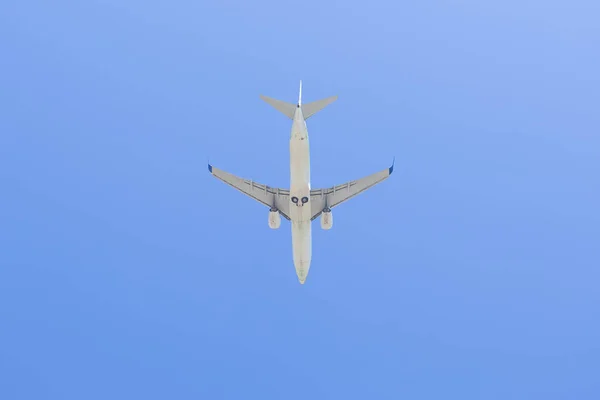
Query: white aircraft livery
point(300, 204)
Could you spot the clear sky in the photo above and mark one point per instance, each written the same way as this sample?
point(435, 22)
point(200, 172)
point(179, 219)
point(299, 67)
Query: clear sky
point(128, 272)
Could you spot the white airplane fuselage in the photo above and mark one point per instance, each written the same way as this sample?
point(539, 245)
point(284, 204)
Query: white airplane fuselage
point(300, 213)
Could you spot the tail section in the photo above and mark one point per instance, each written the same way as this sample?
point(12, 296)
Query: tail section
point(308, 110)
point(287, 109)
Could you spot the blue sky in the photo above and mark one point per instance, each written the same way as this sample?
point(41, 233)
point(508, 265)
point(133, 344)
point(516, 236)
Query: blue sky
point(127, 271)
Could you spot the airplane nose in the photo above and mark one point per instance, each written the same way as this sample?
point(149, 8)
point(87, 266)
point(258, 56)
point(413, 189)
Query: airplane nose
point(301, 277)
point(302, 273)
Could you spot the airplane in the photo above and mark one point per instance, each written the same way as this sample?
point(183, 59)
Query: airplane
point(300, 204)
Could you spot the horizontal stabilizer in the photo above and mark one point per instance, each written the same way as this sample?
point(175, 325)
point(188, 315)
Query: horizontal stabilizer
point(310, 109)
point(283, 107)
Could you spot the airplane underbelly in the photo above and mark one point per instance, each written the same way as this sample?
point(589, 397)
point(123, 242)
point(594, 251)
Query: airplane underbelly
point(299, 181)
point(299, 165)
point(302, 248)
point(300, 206)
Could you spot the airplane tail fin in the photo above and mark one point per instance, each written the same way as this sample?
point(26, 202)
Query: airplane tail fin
point(283, 107)
point(308, 110)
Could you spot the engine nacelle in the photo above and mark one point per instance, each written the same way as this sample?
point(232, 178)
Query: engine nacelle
point(274, 219)
point(327, 219)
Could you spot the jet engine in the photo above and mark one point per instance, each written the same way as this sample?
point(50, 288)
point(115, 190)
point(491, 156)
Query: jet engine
point(326, 219)
point(274, 219)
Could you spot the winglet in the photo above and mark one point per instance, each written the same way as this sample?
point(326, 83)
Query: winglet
point(210, 168)
point(392, 167)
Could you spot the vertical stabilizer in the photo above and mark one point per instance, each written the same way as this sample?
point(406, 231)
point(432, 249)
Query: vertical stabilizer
point(300, 95)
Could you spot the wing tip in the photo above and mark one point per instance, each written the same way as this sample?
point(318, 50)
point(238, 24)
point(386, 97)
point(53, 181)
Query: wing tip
point(391, 169)
point(210, 168)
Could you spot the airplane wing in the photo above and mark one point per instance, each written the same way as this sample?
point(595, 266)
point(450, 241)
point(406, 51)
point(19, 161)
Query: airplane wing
point(270, 197)
point(333, 196)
